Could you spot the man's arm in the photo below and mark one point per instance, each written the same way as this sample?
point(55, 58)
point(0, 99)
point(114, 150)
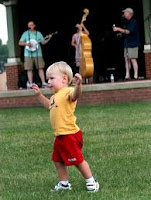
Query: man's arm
point(85, 30)
point(73, 43)
point(122, 30)
point(46, 39)
point(21, 43)
point(23, 40)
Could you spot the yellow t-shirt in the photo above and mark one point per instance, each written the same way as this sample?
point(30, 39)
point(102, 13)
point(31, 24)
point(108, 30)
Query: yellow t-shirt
point(62, 108)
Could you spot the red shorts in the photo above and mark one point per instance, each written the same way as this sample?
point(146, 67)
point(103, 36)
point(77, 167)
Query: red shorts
point(68, 149)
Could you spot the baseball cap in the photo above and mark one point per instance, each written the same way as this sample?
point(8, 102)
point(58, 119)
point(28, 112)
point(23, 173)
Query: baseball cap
point(77, 25)
point(129, 10)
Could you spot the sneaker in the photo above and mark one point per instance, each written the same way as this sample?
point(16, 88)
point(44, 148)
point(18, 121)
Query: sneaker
point(29, 85)
point(127, 78)
point(44, 85)
point(60, 186)
point(92, 186)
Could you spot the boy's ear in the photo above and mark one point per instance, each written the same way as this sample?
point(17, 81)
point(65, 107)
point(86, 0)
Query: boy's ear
point(65, 78)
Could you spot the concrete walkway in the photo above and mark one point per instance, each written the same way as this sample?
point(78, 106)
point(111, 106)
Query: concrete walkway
point(3, 82)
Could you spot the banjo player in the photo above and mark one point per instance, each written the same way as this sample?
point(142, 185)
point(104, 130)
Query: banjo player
point(31, 40)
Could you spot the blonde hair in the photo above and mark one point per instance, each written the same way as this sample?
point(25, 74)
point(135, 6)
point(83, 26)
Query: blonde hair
point(63, 68)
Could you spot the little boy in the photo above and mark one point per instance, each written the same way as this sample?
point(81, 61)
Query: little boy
point(67, 150)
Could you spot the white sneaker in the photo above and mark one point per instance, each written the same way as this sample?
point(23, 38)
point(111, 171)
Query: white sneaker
point(44, 85)
point(60, 186)
point(29, 85)
point(92, 186)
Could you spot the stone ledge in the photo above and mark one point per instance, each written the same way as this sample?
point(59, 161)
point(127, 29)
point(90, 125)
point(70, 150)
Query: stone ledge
point(22, 93)
point(118, 86)
point(86, 88)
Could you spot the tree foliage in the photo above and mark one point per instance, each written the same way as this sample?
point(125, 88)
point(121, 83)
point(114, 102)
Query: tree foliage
point(3, 55)
point(3, 51)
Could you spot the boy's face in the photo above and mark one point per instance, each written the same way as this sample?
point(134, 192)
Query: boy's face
point(57, 80)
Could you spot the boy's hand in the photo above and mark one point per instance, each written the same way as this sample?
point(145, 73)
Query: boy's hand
point(36, 89)
point(78, 79)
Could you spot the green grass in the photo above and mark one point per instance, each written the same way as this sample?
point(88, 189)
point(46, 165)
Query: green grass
point(117, 145)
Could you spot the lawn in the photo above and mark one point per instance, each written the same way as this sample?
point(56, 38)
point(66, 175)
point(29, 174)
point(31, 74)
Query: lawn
point(117, 145)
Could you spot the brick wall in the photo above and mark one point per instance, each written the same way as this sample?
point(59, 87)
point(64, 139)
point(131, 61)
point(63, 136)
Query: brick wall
point(12, 73)
point(94, 94)
point(28, 101)
point(116, 96)
point(148, 64)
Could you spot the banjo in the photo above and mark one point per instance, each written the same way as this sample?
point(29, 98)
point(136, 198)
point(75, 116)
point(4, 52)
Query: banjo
point(34, 43)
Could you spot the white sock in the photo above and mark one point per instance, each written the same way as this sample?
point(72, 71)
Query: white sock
point(64, 182)
point(90, 180)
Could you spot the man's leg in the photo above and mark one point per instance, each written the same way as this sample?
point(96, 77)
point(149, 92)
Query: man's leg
point(30, 76)
point(128, 67)
point(41, 75)
point(28, 65)
point(39, 62)
point(135, 67)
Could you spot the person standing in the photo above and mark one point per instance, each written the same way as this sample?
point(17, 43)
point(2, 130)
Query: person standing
point(31, 40)
point(131, 42)
point(68, 143)
point(75, 42)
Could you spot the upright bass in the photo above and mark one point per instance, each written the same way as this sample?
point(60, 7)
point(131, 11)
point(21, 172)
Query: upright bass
point(86, 64)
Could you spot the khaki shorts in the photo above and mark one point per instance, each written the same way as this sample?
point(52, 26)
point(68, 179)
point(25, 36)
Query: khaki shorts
point(30, 62)
point(131, 52)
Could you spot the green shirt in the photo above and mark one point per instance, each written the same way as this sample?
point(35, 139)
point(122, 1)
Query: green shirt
point(30, 36)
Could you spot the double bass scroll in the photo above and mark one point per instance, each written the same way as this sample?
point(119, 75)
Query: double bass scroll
point(86, 64)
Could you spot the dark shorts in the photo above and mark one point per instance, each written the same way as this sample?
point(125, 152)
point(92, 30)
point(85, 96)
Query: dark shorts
point(68, 149)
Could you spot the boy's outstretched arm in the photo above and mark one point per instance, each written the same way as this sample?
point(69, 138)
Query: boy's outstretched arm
point(78, 87)
point(43, 100)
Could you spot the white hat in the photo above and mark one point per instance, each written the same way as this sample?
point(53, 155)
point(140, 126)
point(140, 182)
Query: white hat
point(129, 10)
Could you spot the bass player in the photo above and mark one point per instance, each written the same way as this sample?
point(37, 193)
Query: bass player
point(75, 42)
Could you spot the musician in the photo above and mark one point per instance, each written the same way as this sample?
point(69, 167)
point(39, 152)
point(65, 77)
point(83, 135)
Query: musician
point(131, 41)
point(75, 42)
point(31, 40)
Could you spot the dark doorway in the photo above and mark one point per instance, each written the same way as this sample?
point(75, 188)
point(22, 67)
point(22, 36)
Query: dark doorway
point(61, 16)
